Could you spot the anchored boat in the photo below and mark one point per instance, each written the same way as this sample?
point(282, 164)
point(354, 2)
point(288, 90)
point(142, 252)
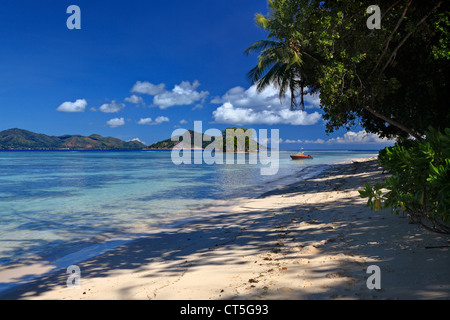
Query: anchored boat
point(300, 156)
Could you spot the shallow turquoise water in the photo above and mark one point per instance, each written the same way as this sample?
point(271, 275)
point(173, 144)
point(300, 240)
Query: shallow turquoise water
point(55, 202)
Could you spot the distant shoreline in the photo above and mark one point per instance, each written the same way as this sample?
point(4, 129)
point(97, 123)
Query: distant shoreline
point(103, 150)
point(61, 150)
point(25, 149)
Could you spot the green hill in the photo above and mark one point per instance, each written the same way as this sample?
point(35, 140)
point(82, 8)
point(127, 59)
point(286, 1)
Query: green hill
point(23, 139)
point(168, 144)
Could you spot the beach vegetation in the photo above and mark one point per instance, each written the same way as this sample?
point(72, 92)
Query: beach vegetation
point(233, 138)
point(392, 80)
point(419, 181)
point(387, 72)
point(287, 59)
point(239, 140)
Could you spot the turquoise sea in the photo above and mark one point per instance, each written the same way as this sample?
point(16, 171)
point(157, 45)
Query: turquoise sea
point(56, 202)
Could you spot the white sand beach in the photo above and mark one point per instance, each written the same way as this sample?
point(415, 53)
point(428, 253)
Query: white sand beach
point(313, 239)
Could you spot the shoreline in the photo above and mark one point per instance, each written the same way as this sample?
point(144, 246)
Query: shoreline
point(27, 271)
point(312, 239)
point(133, 233)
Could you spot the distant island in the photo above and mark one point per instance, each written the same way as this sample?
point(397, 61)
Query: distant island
point(243, 146)
point(168, 144)
point(19, 139)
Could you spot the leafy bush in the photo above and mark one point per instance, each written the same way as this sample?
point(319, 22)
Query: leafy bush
point(419, 183)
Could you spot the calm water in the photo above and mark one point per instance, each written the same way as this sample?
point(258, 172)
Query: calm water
point(54, 202)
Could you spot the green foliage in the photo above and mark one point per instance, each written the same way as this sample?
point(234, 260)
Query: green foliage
point(286, 58)
point(395, 70)
point(420, 181)
point(239, 139)
point(379, 79)
point(168, 144)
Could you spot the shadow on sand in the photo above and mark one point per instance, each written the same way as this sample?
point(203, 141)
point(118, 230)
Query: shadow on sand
point(227, 232)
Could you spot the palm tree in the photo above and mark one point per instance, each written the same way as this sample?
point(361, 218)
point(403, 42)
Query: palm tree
point(286, 62)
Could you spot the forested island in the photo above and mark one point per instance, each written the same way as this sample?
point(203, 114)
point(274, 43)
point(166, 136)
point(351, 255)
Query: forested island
point(240, 144)
point(19, 139)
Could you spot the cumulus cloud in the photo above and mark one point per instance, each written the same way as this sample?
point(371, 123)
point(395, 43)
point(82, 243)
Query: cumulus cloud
point(183, 94)
point(149, 121)
point(198, 106)
point(229, 114)
point(112, 107)
point(145, 121)
point(360, 137)
point(70, 107)
point(161, 120)
point(116, 122)
point(291, 141)
point(148, 88)
point(135, 99)
point(243, 107)
point(320, 141)
point(268, 98)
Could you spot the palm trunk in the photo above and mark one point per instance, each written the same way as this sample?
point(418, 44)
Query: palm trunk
point(302, 103)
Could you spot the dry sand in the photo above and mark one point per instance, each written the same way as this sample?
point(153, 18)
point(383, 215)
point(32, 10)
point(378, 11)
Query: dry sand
point(314, 239)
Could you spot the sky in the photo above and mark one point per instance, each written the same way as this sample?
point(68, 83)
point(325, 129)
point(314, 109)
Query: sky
point(143, 68)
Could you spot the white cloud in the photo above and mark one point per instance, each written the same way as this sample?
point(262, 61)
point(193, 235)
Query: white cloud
point(135, 99)
point(291, 141)
point(198, 106)
point(145, 121)
point(148, 88)
point(241, 106)
point(116, 122)
point(320, 141)
point(267, 99)
point(183, 121)
point(112, 107)
point(360, 137)
point(161, 119)
point(149, 121)
point(229, 114)
point(183, 94)
point(70, 107)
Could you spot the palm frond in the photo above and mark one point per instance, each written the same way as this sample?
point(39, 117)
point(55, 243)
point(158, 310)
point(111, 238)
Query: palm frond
point(270, 77)
point(262, 45)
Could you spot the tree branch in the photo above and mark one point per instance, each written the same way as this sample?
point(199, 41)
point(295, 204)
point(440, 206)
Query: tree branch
point(389, 9)
point(406, 38)
point(393, 122)
point(384, 14)
point(388, 41)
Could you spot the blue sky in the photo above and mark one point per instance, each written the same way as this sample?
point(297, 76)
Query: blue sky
point(141, 69)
